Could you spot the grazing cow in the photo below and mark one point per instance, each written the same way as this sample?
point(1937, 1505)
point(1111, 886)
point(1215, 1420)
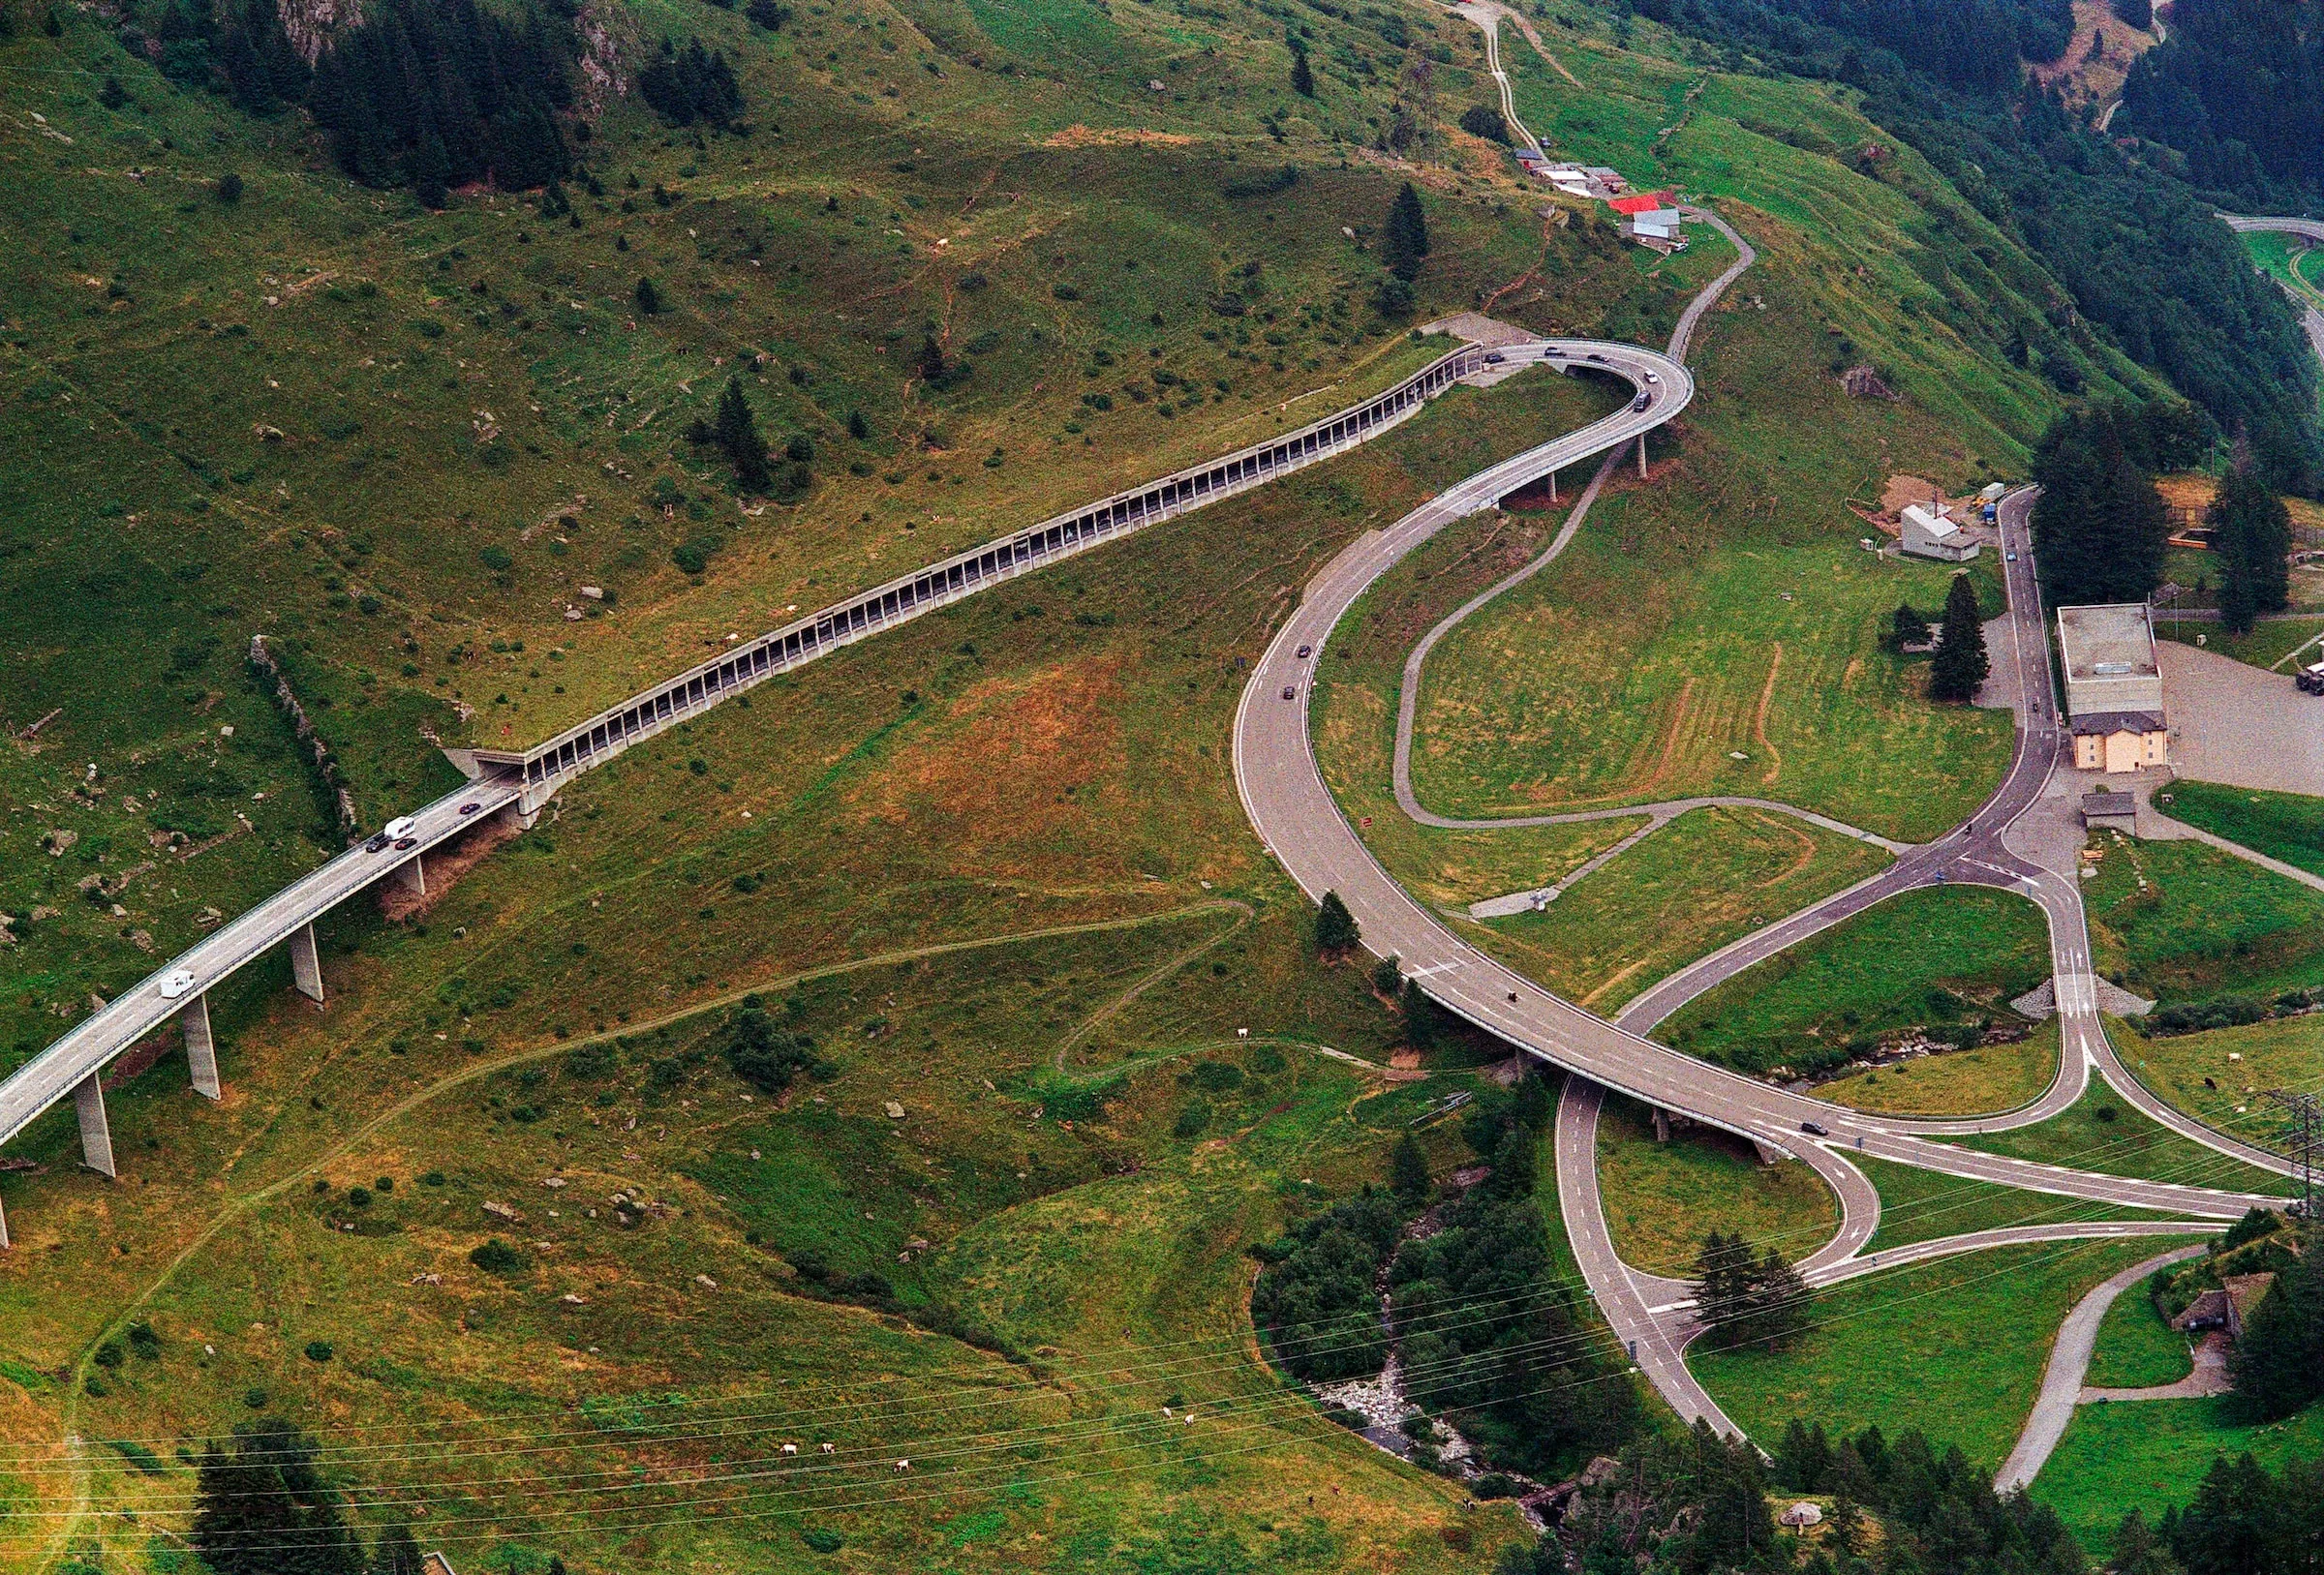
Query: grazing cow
point(831, 1449)
point(790, 1448)
point(904, 1465)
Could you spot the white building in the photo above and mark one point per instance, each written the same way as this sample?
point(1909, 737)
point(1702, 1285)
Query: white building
point(1928, 533)
point(1654, 225)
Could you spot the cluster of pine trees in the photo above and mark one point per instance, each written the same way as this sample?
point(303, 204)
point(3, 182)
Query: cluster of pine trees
point(263, 1508)
point(1746, 1300)
point(1967, 44)
point(2099, 525)
point(1486, 1326)
point(2278, 1367)
point(2243, 1521)
point(2237, 92)
point(692, 85)
point(1486, 1329)
point(428, 94)
point(2253, 543)
point(1403, 247)
point(2139, 255)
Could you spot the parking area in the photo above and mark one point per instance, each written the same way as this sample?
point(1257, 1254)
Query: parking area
point(2237, 724)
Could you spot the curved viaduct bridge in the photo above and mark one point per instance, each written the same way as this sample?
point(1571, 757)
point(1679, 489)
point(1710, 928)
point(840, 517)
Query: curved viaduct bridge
point(516, 786)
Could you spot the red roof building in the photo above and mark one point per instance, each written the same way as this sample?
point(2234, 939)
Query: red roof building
point(1642, 202)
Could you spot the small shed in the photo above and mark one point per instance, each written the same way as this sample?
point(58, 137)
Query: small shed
point(1929, 533)
point(2225, 1308)
point(435, 1563)
point(1802, 1514)
point(1656, 224)
point(2110, 807)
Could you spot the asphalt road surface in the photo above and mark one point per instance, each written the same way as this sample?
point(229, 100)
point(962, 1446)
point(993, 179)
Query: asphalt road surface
point(1284, 791)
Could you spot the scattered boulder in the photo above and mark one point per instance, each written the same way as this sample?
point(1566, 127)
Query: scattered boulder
point(502, 1211)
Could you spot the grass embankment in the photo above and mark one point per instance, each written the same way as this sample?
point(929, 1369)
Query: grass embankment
point(2288, 826)
point(2136, 1348)
point(1924, 1206)
point(1987, 1081)
point(2218, 1077)
point(2102, 1134)
point(1955, 1347)
point(1921, 958)
point(1109, 1237)
point(2180, 922)
point(1663, 1198)
point(2154, 1453)
point(1702, 881)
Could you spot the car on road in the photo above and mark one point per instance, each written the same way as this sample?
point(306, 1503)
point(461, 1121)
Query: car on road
point(471, 808)
point(176, 982)
point(404, 844)
point(1813, 1129)
point(1555, 354)
point(1290, 692)
point(2011, 557)
point(401, 826)
point(1641, 402)
point(1494, 358)
point(1595, 356)
point(378, 840)
point(1652, 378)
point(1307, 651)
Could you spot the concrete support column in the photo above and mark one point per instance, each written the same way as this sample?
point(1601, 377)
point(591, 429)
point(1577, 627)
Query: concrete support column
point(96, 1135)
point(306, 966)
point(4, 1243)
point(202, 1048)
point(1641, 456)
point(1553, 486)
point(414, 874)
point(1661, 1125)
point(522, 813)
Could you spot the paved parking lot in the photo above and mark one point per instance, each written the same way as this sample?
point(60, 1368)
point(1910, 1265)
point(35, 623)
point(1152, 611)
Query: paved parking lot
point(2238, 724)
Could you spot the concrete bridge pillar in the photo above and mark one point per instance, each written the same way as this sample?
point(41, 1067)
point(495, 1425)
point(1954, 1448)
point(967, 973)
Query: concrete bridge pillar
point(96, 1135)
point(306, 966)
point(1661, 1125)
point(414, 874)
point(1641, 456)
point(4, 1243)
point(1553, 486)
point(1768, 1153)
point(520, 814)
point(202, 1048)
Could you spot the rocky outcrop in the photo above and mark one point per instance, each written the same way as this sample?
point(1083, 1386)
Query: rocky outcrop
point(312, 24)
point(603, 79)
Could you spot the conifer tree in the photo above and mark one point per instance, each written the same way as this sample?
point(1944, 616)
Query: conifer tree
point(2253, 541)
point(1408, 1169)
point(1303, 77)
point(1960, 663)
point(1420, 1014)
point(1516, 1167)
point(737, 432)
point(396, 1554)
point(2278, 1366)
point(1404, 243)
point(1906, 627)
point(1334, 926)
